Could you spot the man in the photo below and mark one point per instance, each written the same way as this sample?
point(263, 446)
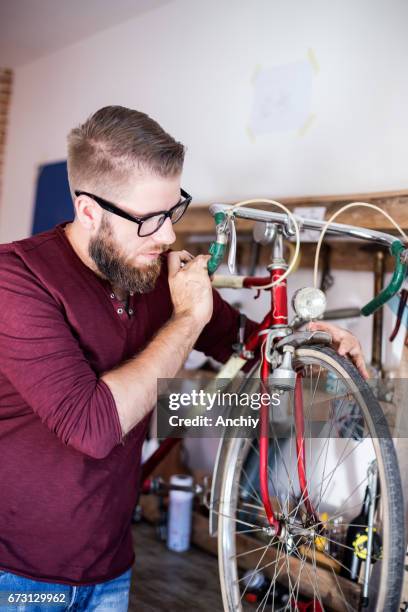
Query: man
point(92, 315)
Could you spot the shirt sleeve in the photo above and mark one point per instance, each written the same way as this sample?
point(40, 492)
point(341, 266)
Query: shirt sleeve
point(221, 332)
point(43, 361)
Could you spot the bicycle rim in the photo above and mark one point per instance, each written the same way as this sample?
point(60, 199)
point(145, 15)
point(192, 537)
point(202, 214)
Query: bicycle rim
point(306, 568)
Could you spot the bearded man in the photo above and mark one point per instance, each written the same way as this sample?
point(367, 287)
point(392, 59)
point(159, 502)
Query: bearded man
point(93, 313)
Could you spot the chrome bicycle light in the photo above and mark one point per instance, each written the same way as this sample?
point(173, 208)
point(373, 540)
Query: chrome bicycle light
point(309, 303)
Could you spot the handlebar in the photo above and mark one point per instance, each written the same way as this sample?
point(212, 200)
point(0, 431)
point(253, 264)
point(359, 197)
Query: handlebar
point(399, 274)
point(217, 248)
point(397, 248)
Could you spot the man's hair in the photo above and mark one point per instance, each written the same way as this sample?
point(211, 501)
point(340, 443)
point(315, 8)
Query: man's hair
point(115, 142)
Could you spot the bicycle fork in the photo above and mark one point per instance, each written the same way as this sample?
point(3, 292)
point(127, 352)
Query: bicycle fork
point(300, 449)
point(275, 324)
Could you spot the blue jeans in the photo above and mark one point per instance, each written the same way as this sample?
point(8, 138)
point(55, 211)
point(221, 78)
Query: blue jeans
point(18, 594)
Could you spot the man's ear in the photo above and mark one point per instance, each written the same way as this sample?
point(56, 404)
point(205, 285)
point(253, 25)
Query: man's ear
point(87, 212)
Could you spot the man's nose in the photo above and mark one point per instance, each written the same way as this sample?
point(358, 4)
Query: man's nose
point(165, 234)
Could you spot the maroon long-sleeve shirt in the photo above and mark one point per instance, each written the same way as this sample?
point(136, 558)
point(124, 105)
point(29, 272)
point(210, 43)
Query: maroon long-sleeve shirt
point(68, 484)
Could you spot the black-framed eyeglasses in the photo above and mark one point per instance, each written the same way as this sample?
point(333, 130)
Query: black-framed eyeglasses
point(148, 224)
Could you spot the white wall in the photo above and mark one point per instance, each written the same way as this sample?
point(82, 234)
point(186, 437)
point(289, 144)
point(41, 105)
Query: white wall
point(191, 65)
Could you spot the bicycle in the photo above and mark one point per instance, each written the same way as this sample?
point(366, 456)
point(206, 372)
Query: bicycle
point(280, 523)
point(299, 480)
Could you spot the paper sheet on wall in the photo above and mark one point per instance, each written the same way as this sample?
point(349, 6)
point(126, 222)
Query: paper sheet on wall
point(282, 98)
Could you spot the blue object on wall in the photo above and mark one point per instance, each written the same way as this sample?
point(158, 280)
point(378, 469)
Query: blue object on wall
point(53, 202)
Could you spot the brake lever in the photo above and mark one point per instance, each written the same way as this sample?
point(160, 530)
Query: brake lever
point(233, 244)
point(400, 313)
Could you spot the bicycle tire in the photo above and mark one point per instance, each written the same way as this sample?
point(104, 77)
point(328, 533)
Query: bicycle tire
point(386, 582)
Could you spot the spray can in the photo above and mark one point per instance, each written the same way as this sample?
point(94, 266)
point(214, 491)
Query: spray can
point(179, 517)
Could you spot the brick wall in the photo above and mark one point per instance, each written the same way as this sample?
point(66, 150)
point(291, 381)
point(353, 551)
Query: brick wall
point(6, 77)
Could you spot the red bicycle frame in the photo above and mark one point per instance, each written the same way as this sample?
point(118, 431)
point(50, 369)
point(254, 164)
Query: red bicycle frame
point(277, 318)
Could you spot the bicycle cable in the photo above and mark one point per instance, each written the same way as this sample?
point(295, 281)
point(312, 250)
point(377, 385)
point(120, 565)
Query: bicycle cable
point(336, 214)
point(295, 224)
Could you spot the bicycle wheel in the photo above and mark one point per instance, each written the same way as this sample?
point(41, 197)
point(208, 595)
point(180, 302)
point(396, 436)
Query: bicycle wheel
point(312, 562)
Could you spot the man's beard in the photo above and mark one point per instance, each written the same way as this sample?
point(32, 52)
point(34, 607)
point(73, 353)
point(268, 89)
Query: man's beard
point(110, 262)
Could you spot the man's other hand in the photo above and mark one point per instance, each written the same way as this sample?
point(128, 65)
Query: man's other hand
point(344, 342)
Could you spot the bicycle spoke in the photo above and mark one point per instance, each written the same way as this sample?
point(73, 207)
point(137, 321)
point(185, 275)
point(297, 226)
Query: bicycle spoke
point(331, 473)
point(317, 591)
point(327, 450)
point(327, 554)
point(341, 591)
point(256, 570)
point(265, 597)
point(357, 505)
point(258, 529)
point(302, 563)
point(252, 550)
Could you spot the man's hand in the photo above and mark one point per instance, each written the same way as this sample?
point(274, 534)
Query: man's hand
point(190, 286)
point(344, 342)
